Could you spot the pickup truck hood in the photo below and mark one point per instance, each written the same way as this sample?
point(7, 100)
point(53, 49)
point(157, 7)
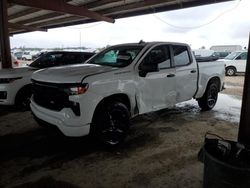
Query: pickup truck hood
point(69, 73)
point(16, 72)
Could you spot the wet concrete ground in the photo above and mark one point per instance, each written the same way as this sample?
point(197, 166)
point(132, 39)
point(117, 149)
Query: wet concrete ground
point(161, 150)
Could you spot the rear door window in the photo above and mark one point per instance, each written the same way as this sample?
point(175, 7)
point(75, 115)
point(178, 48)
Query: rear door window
point(72, 58)
point(181, 55)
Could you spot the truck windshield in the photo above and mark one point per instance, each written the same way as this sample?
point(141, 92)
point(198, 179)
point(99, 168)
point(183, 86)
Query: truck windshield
point(232, 56)
point(120, 56)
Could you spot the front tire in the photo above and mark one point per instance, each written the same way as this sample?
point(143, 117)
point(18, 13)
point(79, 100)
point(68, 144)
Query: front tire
point(230, 71)
point(209, 99)
point(22, 100)
point(111, 123)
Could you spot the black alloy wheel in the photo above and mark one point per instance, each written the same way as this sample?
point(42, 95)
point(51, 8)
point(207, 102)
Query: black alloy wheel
point(209, 99)
point(112, 124)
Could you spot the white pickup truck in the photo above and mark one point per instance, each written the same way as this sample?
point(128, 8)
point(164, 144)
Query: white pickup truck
point(235, 62)
point(101, 95)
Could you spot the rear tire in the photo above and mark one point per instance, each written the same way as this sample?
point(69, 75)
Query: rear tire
point(230, 71)
point(111, 123)
point(209, 99)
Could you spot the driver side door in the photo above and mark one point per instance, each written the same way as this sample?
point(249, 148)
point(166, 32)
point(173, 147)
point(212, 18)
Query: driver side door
point(156, 90)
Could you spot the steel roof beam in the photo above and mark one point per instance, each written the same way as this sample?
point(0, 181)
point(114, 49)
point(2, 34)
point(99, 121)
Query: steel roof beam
point(94, 4)
point(25, 27)
point(23, 13)
point(40, 18)
point(26, 12)
point(63, 7)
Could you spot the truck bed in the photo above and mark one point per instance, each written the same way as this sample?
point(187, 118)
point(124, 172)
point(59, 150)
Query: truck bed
point(205, 70)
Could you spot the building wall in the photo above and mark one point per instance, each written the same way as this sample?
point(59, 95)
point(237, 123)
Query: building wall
point(227, 48)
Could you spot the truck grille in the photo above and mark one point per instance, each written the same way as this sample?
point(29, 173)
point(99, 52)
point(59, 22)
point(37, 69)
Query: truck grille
point(53, 96)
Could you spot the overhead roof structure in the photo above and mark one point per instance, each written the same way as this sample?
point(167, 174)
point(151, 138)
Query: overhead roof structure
point(20, 16)
point(40, 15)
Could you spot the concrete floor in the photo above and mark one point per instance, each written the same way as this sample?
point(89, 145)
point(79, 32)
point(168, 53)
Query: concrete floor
point(160, 151)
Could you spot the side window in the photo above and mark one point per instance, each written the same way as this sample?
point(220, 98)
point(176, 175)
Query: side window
point(87, 56)
point(159, 55)
point(181, 56)
point(49, 60)
point(71, 58)
point(242, 56)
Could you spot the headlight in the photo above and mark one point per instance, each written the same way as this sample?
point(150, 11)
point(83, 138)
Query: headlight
point(8, 80)
point(77, 90)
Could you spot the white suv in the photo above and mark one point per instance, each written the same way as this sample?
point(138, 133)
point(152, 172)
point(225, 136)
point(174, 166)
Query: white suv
point(15, 84)
point(27, 56)
point(15, 62)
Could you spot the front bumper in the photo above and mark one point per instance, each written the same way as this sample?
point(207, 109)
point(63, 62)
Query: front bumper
point(65, 120)
point(7, 94)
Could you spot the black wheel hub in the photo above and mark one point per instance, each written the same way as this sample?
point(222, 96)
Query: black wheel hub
point(114, 127)
point(212, 96)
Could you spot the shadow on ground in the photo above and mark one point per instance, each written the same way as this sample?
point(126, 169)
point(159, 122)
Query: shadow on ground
point(4, 110)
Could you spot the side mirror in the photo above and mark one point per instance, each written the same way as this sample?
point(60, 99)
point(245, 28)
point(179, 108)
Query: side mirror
point(146, 68)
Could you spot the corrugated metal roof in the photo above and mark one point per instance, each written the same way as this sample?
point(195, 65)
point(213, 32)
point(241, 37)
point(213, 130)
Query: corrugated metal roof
point(39, 18)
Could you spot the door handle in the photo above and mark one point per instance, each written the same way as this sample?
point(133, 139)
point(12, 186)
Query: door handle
point(171, 75)
point(193, 71)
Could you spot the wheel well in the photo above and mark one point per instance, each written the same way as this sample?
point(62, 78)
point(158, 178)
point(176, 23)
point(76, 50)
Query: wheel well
point(231, 67)
point(123, 98)
point(26, 88)
point(215, 80)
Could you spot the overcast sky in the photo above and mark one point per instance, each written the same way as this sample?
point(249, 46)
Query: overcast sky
point(217, 24)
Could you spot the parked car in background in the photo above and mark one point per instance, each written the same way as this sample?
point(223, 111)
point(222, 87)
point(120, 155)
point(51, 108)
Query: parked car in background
point(121, 82)
point(206, 59)
point(18, 55)
point(37, 55)
point(26, 56)
point(15, 62)
point(15, 84)
point(235, 62)
point(213, 57)
point(221, 55)
point(203, 55)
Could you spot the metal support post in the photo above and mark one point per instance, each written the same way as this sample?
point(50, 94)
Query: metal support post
point(244, 127)
point(4, 36)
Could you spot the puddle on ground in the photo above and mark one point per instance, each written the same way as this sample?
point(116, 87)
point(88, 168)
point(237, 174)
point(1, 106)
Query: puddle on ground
point(227, 108)
point(233, 87)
